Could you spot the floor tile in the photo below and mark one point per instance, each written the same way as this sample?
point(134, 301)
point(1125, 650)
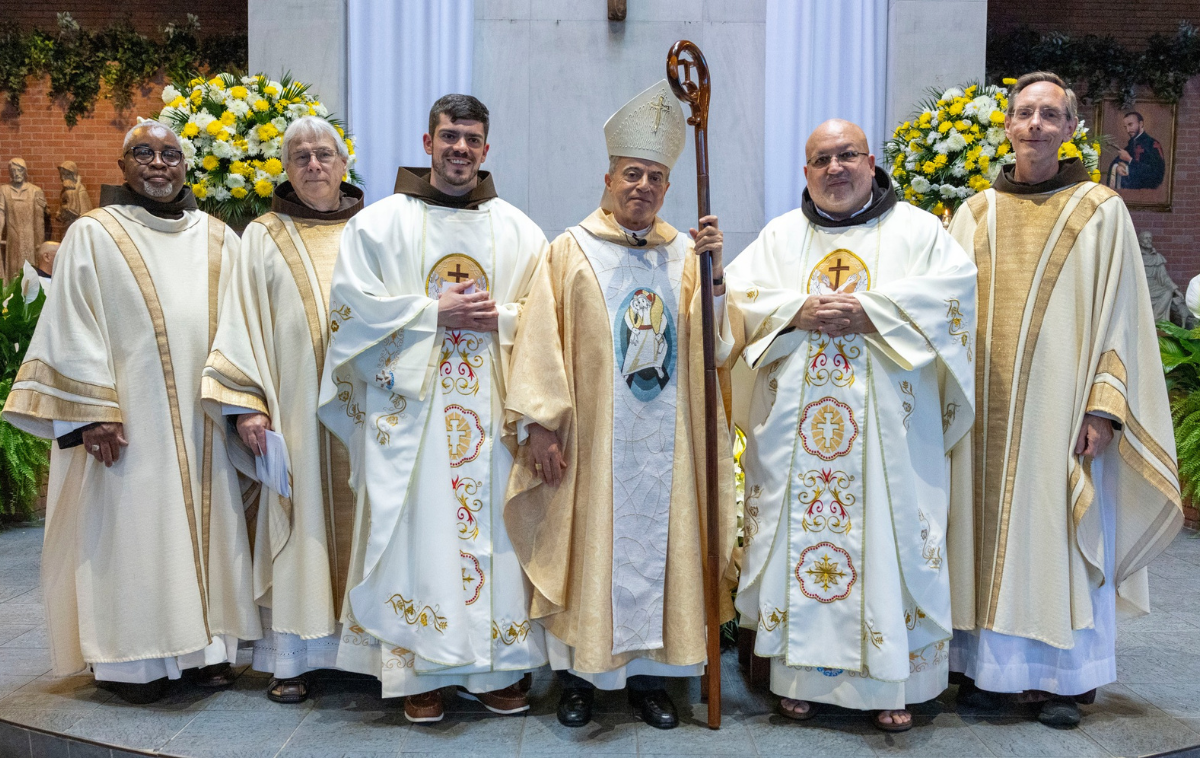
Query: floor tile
point(607, 733)
point(370, 731)
point(777, 735)
point(949, 736)
point(1126, 735)
point(143, 729)
point(693, 737)
point(250, 694)
point(470, 735)
point(234, 734)
point(12, 631)
point(78, 693)
point(53, 721)
point(14, 741)
point(1028, 738)
point(34, 637)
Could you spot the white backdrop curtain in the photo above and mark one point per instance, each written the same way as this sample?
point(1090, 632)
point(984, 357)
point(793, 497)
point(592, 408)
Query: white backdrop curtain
point(403, 55)
point(824, 59)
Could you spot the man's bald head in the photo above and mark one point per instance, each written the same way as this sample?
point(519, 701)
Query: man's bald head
point(140, 132)
point(839, 168)
point(43, 258)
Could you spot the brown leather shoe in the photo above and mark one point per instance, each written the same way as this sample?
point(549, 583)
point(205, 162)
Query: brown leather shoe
point(506, 701)
point(424, 708)
point(214, 676)
point(288, 691)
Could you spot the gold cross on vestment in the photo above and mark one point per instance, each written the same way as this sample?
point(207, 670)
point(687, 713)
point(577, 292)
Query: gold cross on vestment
point(458, 274)
point(660, 108)
point(837, 272)
point(829, 426)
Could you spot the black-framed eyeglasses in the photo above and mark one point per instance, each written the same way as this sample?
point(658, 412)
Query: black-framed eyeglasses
point(845, 158)
point(145, 155)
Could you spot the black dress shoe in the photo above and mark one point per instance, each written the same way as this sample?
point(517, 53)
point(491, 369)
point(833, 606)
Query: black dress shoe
point(138, 694)
point(655, 708)
point(575, 706)
point(214, 676)
point(1061, 713)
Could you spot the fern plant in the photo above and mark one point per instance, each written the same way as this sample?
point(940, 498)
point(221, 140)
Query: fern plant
point(1180, 350)
point(24, 458)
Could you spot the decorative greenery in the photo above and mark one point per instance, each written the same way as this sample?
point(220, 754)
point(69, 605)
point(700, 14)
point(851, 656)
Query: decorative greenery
point(78, 61)
point(1100, 65)
point(1180, 351)
point(23, 457)
point(955, 147)
point(231, 130)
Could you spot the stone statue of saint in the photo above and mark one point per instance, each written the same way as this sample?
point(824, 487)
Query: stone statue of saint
point(23, 215)
point(75, 198)
point(1165, 297)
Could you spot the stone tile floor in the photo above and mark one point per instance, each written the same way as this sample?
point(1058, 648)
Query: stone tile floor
point(1154, 707)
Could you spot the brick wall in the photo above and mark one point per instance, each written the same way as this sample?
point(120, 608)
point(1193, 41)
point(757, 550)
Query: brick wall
point(41, 137)
point(1175, 233)
point(148, 17)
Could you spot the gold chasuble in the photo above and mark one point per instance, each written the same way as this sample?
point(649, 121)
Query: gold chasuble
point(1065, 328)
point(148, 559)
point(610, 333)
point(436, 595)
point(847, 451)
point(268, 357)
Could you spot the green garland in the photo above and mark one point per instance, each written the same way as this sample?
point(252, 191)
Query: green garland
point(1100, 65)
point(118, 57)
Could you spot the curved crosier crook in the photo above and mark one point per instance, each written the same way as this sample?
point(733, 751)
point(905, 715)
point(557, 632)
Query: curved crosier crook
point(694, 93)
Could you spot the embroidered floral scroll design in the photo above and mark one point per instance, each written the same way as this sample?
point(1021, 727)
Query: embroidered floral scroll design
point(948, 416)
point(920, 660)
point(831, 363)
point(510, 633)
point(955, 327)
point(908, 405)
point(872, 636)
point(930, 550)
point(825, 499)
point(752, 294)
point(346, 395)
point(466, 491)
point(400, 658)
point(913, 617)
point(771, 621)
point(750, 522)
point(461, 375)
point(390, 349)
point(338, 315)
point(427, 616)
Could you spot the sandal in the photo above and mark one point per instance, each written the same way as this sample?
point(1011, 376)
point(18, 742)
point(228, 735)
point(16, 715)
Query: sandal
point(795, 715)
point(287, 691)
point(892, 727)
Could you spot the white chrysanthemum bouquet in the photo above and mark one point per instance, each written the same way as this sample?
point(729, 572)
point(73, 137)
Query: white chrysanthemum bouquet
point(231, 130)
point(955, 147)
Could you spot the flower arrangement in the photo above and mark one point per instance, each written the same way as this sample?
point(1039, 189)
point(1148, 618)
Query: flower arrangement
point(231, 129)
point(956, 146)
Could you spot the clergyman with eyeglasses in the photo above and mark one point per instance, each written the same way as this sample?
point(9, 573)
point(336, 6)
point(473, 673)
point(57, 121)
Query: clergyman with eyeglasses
point(146, 563)
point(262, 378)
point(856, 308)
point(1075, 486)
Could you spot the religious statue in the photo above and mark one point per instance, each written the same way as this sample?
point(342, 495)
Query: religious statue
point(1165, 296)
point(23, 215)
point(75, 198)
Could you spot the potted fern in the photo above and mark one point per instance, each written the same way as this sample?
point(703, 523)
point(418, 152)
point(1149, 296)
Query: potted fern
point(1180, 350)
point(24, 459)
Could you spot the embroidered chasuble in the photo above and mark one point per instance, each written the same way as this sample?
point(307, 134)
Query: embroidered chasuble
point(148, 559)
point(847, 476)
point(1065, 328)
point(609, 356)
point(436, 593)
point(268, 356)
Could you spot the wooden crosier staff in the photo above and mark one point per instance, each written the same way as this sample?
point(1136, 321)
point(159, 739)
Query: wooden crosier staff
point(696, 93)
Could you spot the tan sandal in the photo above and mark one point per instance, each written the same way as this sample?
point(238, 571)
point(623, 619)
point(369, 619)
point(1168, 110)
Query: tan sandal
point(804, 715)
point(893, 727)
point(288, 691)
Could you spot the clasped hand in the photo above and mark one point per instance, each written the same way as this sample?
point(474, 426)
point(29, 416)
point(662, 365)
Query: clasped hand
point(104, 442)
point(836, 314)
point(475, 311)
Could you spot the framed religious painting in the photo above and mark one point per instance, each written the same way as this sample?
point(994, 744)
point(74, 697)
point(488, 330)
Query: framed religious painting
point(1137, 155)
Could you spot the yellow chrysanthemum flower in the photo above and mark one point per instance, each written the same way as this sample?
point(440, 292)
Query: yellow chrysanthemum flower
point(196, 82)
point(238, 192)
point(970, 92)
point(1003, 149)
point(267, 132)
point(1095, 175)
point(944, 127)
point(969, 165)
point(261, 105)
point(929, 167)
point(984, 161)
point(240, 167)
point(190, 129)
point(899, 173)
point(341, 132)
point(210, 162)
point(273, 167)
point(240, 92)
point(263, 188)
point(938, 209)
point(997, 117)
point(962, 126)
point(228, 118)
point(270, 91)
point(197, 96)
point(178, 102)
point(1008, 81)
point(350, 146)
point(940, 160)
point(968, 137)
point(1068, 150)
point(214, 128)
point(216, 82)
point(200, 190)
point(926, 118)
point(956, 109)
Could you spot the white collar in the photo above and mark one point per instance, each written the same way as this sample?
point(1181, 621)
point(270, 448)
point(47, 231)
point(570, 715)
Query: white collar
point(852, 215)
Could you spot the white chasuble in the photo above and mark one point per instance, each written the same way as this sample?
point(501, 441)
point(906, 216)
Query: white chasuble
point(847, 476)
point(147, 560)
point(641, 293)
point(437, 596)
point(268, 356)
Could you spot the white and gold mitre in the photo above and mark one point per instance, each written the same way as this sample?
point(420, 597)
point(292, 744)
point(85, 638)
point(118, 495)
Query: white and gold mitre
point(651, 127)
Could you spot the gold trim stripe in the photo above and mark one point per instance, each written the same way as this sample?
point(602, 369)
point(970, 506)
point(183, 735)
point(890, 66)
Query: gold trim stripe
point(1108, 399)
point(1111, 363)
point(983, 262)
point(1080, 215)
point(39, 371)
point(216, 243)
point(141, 275)
point(212, 389)
point(50, 408)
point(222, 365)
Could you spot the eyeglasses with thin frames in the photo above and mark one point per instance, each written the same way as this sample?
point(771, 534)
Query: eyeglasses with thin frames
point(845, 158)
point(145, 155)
